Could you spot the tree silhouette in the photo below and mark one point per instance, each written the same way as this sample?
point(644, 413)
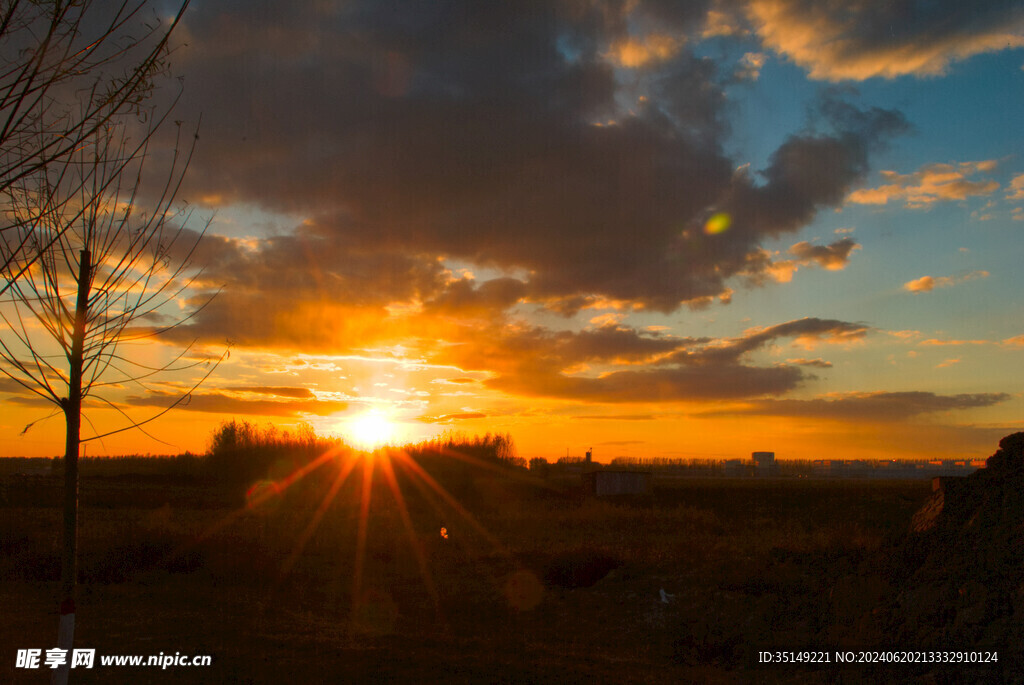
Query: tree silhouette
point(68, 68)
point(94, 254)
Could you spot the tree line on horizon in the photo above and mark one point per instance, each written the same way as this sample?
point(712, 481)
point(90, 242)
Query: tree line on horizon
point(242, 451)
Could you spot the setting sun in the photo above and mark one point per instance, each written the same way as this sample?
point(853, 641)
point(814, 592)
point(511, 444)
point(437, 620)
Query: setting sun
point(370, 430)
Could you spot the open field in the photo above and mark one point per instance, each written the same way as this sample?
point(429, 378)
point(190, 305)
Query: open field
point(534, 582)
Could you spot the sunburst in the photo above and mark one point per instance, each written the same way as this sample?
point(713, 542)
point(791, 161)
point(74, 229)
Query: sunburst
point(371, 430)
point(368, 429)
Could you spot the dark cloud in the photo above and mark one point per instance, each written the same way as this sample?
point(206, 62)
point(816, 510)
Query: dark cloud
point(457, 416)
point(815, 169)
point(613, 343)
point(469, 130)
point(679, 16)
point(465, 297)
point(509, 139)
point(275, 391)
point(30, 401)
point(832, 256)
point(817, 363)
point(589, 365)
point(219, 403)
point(616, 417)
point(867, 406)
point(518, 347)
point(682, 383)
point(11, 386)
point(809, 331)
point(305, 291)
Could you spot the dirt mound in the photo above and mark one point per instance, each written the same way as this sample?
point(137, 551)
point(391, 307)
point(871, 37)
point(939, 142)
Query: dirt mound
point(955, 580)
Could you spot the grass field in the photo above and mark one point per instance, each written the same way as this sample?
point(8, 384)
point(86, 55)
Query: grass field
point(533, 583)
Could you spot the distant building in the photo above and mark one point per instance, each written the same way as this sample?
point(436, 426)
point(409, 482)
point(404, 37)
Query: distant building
point(764, 463)
point(732, 467)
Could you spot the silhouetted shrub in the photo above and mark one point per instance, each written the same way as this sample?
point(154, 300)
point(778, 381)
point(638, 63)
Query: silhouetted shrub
point(242, 452)
point(458, 462)
point(21, 558)
point(491, 448)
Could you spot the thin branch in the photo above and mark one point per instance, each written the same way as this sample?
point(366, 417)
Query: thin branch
point(185, 397)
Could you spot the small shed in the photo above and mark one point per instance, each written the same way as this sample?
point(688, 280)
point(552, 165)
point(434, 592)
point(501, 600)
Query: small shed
point(764, 463)
point(617, 482)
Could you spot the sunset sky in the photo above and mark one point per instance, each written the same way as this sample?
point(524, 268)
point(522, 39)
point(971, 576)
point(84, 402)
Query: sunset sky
point(653, 228)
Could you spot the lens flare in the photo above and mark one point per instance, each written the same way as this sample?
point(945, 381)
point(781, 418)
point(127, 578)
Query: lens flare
point(718, 223)
point(263, 494)
point(523, 590)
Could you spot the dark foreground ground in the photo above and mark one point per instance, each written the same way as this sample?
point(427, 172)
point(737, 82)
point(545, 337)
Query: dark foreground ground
point(534, 583)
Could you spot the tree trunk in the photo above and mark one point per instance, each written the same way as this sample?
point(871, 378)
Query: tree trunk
point(73, 416)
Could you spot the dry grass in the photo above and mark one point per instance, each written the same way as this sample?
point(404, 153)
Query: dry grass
point(531, 585)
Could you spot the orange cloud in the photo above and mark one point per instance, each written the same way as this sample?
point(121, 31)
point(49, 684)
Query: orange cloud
point(864, 406)
point(933, 342)
point(750, 66)
point(634, 53)
point(926, 284)
point(837, 41)
point(609, 319)
point(905, 336)
point(719, 23)
point(832, 257)
point(1016, 190)
point(931, 183)
point(457, 416)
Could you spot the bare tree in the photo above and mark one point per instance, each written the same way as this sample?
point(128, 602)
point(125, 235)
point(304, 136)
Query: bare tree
point(109, 252)
point(73, 75)
point(67, 68)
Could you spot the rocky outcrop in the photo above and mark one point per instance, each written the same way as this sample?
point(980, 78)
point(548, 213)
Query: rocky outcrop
point(955, 580)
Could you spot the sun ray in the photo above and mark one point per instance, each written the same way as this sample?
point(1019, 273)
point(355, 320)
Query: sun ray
point(295, 476)
point(434, 492)
point(311, 527)
point(427, 479)
point(364, 519)
point(254, 502)
point(389, 476)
